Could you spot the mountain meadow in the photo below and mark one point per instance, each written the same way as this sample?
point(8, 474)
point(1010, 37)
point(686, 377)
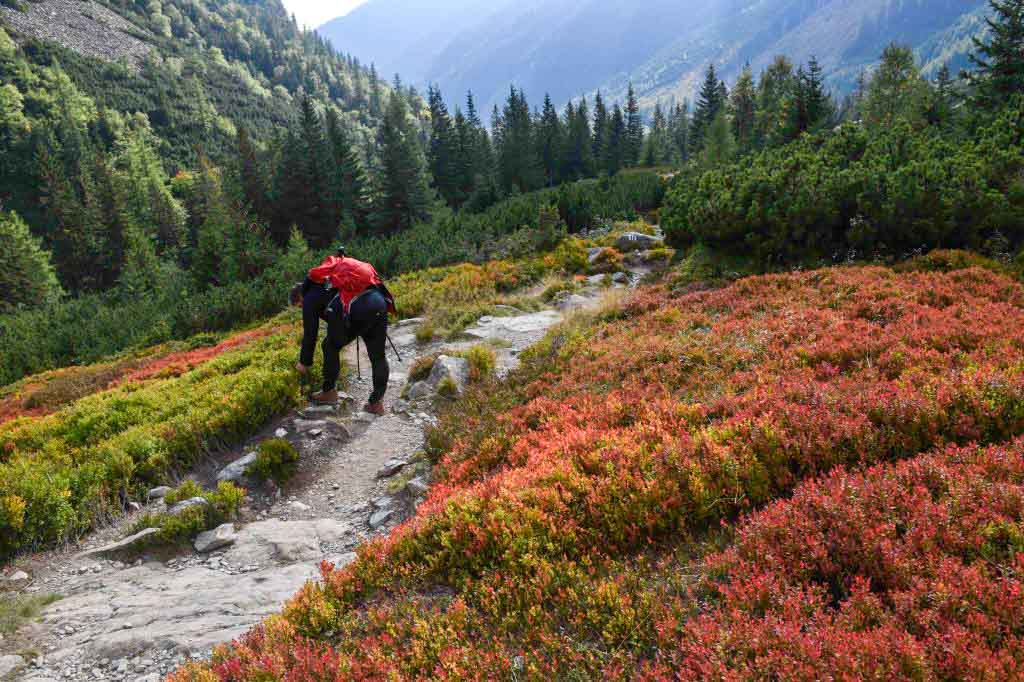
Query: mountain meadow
point(772, 426)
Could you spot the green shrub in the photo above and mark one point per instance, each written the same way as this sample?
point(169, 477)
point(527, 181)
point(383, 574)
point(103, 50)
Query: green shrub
point(224, 504)
point(426, 332)
point(447, 388)
point(421, 367)
point(276, 460)
point(482, 361)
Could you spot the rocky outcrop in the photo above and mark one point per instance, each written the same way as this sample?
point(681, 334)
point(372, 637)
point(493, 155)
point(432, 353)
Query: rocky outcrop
point(85, 27)
point(637, 241)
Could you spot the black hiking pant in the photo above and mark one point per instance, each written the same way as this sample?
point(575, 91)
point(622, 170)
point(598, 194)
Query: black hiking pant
point(367, 320)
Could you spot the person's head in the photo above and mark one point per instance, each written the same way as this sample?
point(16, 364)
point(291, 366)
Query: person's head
point(295, 296)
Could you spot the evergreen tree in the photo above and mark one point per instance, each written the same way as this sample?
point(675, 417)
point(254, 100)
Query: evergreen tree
point(657, 142)
point(600, 130)
point(442, 149)
point(634, 128)
point(799, 116)
point(617, 147)
point(999, 58)
point(403, 195)
point(943, 103)
point(775, 91)
point(519, 166)
point(27, 277)
point(744, 110)
point(251, 178)
point(550, 142)
point(348, 189)
point(896, 90)
point(709, 103)
point(679, 131)
point(820, 108)
point(719, 146)
point(577, 157)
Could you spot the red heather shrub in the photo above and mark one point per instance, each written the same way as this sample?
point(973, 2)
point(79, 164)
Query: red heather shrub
point(557, 535)
point(910, 571)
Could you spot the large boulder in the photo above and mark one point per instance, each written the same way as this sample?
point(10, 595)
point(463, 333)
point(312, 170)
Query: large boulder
point(215, 539)
point(637, 241)
point(448, 367)
point(235, 472)
point(185, 505)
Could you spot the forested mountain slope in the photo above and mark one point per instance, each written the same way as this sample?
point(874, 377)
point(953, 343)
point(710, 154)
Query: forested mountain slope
point(569, 48)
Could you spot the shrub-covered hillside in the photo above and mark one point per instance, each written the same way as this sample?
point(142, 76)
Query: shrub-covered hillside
point(77, 442)
point(643, 499)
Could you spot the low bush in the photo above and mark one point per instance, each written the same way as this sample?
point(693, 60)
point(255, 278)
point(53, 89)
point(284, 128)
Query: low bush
point(482, 361)
point(222, 506)
point(277, 460)
point(421, 367)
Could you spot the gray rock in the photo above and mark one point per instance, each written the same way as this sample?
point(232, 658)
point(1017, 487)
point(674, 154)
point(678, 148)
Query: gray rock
point(187, 504)
point(121, 545)
point(636, 241)
point(411, 322)
point(158, 493)
point(305, 425)
point(593, 254)
point(447, 367)
point(299, 506)
point(379, 518)
point(281, 433)
point(17, 577)
point(342, 560)
point(385, 502)
point(506, 310)
point(421, 389)
point(595, 279)
point(9, 664)
point(400, 406)
point(417, 486)
point(215, 539)
point(391, 467)
point(620, 278)
point(505, 327)
point(235, 472)
point(570, 302)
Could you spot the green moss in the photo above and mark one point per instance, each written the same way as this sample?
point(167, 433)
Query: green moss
point(276, 460)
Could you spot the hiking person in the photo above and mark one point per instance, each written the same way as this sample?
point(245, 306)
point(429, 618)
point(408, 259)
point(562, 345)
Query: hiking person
point(350, 296)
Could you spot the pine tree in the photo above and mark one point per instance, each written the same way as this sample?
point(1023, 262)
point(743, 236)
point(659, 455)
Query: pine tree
point(442, 149)
point(577, 157)
point(634, 128)
point(943, 104)
point(719, 146)
point(617, 147)
point(519, 167)
point(252, 181)
point(27, 277)
point(657, 142)
point(318, 224)
point(744, 110)
point(600, 130)
point(550, 141)
point(799, 116)
point(1000, 58)
point(348, 189)
point(679, 131)
point(775, 90)
point(709, 103)
point(821, 110)
point(403, 195)
point(896, 90)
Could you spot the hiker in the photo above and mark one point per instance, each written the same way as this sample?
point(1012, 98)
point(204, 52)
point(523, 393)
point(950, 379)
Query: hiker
point(350, 296)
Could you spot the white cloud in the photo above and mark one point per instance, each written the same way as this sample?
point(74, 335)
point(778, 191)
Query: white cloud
point(314, 13)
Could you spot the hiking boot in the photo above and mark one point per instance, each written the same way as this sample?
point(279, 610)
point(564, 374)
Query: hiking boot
point(325, 398)
point(374, 408)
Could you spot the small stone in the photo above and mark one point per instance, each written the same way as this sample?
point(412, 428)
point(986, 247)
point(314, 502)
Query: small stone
point(158, 493)
point(215, 539)
point(235, 472)
point(379, 518)
point(391, 467)
point(188, 504)
point(636, 241)
point(135, 506)
point(17, 577)
point(280, 433)
point(421, 389)
point(299, 507)
point(315, 433)
point(593, 254)
point(620, 278)
point(385, 502)
point(10, 663)
point(417, 486)
point(595, 279)
point(121, 545)
point(400, 406)
point(304, 425)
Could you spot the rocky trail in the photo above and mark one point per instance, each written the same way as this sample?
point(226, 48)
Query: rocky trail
point(359, 475)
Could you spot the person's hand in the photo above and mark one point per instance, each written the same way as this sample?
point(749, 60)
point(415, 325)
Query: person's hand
point(301, 369)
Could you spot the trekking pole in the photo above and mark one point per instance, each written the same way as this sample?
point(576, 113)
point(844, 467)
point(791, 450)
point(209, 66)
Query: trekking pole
point(393, 346)
point(359, 368)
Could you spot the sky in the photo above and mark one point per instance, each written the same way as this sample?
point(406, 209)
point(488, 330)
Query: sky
point(314, 13)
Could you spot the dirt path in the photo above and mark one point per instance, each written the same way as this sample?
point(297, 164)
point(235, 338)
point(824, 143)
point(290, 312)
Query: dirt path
point(359, 476)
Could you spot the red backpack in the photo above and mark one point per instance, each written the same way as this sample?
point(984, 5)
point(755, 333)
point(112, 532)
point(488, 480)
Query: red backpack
point(351, 277)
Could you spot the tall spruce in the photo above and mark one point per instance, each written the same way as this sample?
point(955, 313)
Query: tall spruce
point(251, 179)
point(820, 107)
point(679, 131)
point(348, 189)
point(443, 148)
point(634, 128)
point(743, 104)
point(617, 148)
point(519, 167)
point(403, 193)
point(999, 57)
point(578, 155)
point(600, 130)
point(709, 103)
point(550, 141)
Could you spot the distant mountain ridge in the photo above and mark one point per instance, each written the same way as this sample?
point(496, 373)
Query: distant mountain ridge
point(573, 47)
